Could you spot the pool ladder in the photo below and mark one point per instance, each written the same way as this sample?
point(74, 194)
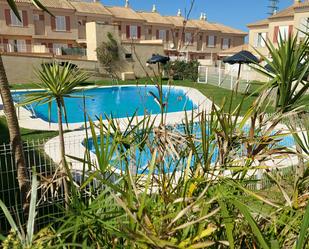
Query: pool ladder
point(31, 109)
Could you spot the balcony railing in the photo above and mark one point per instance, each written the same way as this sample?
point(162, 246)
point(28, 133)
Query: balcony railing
point(42, 49)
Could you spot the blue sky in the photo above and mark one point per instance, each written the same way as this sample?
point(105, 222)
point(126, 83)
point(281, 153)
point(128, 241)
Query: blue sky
point(236, 13)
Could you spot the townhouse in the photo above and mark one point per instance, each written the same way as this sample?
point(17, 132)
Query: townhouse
point(292, 20)
point(65, 32)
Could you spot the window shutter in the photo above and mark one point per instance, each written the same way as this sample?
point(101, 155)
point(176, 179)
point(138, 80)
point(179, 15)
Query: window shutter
point(192, 38)
point(128, 31)
point(207, 40)
point(7, 14)
point(67, 23)
point(53, 23)
point(139, 32)
point(50, 46)
point(290, 30)
point(215, 42)
point(41, 17)
point(157, 34)
point(167, 36)
point(5, 43)
point(25, 18)
point(70, 45)
point(230, 43)
point(222, 42)
point(28, 46)
point(276, 33)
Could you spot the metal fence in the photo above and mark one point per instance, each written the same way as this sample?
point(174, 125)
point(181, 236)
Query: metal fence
point(50, 192)
point(225, 77)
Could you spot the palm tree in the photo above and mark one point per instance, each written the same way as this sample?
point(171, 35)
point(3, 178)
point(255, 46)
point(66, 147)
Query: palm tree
point(15, 136)
point(58, 82)
point(12, 120)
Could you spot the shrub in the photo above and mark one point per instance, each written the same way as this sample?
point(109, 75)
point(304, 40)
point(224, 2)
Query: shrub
point(182, 70)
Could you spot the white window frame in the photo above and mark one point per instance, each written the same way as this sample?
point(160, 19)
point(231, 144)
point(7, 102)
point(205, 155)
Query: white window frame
point(211, 41)
point(17, 46)
point(15, 21)
point(260, 39)
point(188, 38)
point(60, 23)
point(133, 31)
point(284, 32)
point(225, 43)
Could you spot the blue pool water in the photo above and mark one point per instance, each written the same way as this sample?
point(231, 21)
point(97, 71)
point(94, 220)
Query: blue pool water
point(119, 102)
point(144, 157)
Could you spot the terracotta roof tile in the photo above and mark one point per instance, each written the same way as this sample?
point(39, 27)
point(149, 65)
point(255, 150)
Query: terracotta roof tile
point(57, 4)
point(90, 7)
point(288, 12)
point(178, 21)
point(229, 30)
point(259, 23)
point(154, 17)
point(124, 13)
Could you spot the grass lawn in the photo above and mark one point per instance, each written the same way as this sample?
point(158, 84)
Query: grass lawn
point(212, 92)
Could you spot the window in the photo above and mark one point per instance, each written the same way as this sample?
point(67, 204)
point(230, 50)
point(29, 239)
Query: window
point(260, 39)
point(225, 43)
point(60, 23)
point(149, 31)
point(15, 21)
point(188, 38)
point(133, 32)
point(211, 41)
point(57, 48)
point(162, 34)
point(17, 46)
point(284, 32)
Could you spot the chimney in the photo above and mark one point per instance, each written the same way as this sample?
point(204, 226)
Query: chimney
point(154, 8)
point(179, 12)
point(127, 4)
point(202, 16)
point(297, 1)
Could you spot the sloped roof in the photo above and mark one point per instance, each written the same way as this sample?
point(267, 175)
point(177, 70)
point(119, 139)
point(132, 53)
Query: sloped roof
point(259, 23)
point(204, 25)
point(178, 21)
point(124, 13)
point(90, 7)
point(58, 4)
point(229, 30)
point(154, 17)
point(301, 5)
point(234, 50)
point(288, 12)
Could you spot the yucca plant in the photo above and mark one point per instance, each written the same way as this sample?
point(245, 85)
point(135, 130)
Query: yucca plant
point(57, 83)
point(288, 69)
point(19, 237)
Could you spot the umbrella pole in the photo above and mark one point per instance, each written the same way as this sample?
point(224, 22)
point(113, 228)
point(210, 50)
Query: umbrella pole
point(238, 78)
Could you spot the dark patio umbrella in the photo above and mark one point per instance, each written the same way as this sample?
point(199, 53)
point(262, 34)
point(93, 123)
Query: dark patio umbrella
point(242, 57)
point(156, 58)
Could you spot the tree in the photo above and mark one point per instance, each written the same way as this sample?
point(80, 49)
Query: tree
point(12, 120)
point(58, 82)
point(108, 55)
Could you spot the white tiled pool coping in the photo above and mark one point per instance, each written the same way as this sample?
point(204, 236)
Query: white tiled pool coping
point(26, 119)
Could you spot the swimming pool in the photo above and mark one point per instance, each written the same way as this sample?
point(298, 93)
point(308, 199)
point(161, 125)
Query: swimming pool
point(118, 102)
point(142, 158)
